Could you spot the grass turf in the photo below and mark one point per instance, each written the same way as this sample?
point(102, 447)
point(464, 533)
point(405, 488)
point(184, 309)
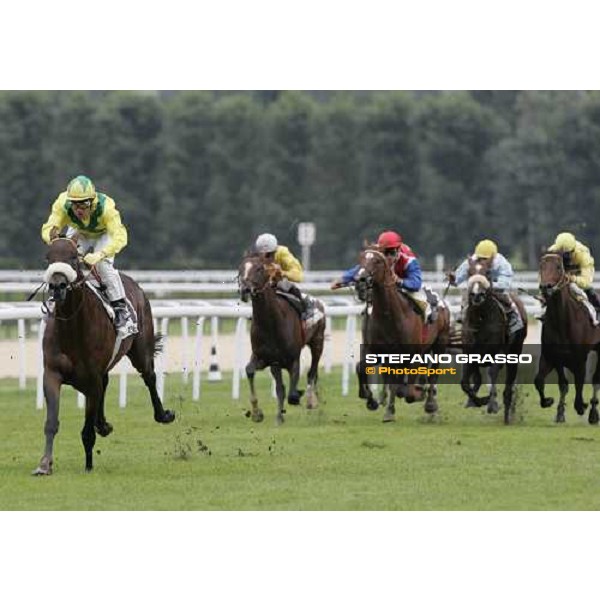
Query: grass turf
point(339, 457)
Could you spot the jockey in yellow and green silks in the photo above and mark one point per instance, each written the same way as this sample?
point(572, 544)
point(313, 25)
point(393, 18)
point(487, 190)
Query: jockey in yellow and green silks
point(578, 262)
point(95, 219)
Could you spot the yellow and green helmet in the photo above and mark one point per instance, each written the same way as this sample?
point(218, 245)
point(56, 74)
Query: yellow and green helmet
point(81, 188)
point(565, 241)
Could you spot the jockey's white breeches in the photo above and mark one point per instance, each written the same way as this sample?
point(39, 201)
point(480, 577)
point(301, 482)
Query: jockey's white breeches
point(108, 274)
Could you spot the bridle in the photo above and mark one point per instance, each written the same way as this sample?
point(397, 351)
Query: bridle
point(548, 289)
point(254, 291)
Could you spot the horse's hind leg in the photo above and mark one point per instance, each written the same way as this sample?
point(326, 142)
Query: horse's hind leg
point(52, 383)
point(431, 405)
point(141, 356)
point(103, 427)
point(295, 394)
point(316, 350)
point(256, 413)
point(93, 399)
point(280, 388)
point(593, 417)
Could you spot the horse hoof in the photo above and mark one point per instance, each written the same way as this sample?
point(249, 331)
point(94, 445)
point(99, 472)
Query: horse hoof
point(258, 416)
point(546, 402)
point(44, 468)
point(581, 408)
point(559, 418)
point(389, 418)
point(431, 408)
point(279, 420)
point(104, 429)
point(470, 403)
point(372, 404)
point(492, 408)
point(294, 399)
point(167, 417)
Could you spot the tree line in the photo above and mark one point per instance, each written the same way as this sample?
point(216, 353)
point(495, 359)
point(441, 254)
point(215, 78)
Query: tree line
point(197, 175)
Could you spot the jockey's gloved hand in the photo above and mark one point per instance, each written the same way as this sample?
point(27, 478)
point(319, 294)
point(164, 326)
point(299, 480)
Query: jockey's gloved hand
point(94, 258)
point(337, 284)
point(451, 277)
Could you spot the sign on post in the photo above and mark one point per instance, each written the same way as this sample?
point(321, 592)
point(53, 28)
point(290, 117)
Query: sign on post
point(307, 233)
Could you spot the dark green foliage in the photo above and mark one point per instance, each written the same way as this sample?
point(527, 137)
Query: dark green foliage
point(197, 175)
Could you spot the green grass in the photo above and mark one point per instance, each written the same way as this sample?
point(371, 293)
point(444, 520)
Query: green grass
point(339, 457)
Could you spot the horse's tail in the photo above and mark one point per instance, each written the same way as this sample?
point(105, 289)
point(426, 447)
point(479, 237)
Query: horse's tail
point(159, 343)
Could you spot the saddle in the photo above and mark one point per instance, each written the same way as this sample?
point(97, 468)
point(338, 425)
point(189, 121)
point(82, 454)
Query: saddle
point(423, 301)
point(313, 311)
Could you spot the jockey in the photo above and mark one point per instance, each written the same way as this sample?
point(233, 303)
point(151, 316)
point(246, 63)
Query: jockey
point(266, 244)
point(100, 233)
point(405, 265)
point(578, 263)
point(501, 275)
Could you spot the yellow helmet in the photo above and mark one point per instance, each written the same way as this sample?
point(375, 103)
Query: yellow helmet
point(81, 188)
point(565, 241)
point(486, 249)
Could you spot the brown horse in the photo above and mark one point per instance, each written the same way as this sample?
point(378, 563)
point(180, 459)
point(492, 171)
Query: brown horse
point(390, 319)
point(567, 338)
point(277, 336)
point(485, 331)
point(79, 345)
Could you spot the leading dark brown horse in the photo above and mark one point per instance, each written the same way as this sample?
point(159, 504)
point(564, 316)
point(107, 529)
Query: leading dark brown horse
point(485, 330)
point(567, 338)
point(79, 349)
point(277, 336)
point(390, 319)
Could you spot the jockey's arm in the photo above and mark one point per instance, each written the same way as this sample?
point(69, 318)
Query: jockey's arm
point(290, 265)
point(462, 273)
point(586, 272)
point(57, 219)
point(115, 229)
point(502, 274)
point(412, 278)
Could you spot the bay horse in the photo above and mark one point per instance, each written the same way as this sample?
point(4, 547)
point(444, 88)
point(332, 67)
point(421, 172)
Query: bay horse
point(79, 349)
point(567, 338)
point(391, 319)
point(485, 330)
point(277, 336)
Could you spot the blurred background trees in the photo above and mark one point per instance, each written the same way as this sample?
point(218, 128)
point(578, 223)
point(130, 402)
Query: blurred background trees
point(197, 175)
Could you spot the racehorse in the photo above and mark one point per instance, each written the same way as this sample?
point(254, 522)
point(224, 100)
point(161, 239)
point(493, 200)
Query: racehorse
point(390, 318)
point(277, 336)
point(79, 349)
point(567, 338)
point(485, 331)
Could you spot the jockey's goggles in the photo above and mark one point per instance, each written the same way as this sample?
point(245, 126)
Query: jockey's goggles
point(390, 251)
point(82, 203)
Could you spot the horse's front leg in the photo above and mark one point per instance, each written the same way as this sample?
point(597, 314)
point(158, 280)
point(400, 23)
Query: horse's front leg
point(492, 404)
point(593, 417)
point(255, 413)
point(431, 405)
point(280, 389)
point(563, 386)
point(295, 394)
point(509, 392)
point(471, 372)
point(364, 390)
point(579, 376)
point(93, 400)
point(103, 427)
point(544, 369)
point(52, 383)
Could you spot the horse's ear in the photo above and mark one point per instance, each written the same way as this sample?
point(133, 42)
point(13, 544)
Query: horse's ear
point(366, 243)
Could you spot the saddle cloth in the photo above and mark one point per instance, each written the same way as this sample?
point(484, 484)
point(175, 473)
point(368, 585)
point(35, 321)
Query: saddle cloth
point(314, 312)
point(423, 300)
point(110, 311)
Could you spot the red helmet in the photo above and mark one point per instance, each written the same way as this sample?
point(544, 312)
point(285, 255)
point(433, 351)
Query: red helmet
point(389, 240)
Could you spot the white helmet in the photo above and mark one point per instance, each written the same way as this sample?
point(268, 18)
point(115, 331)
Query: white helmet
point(266, 242)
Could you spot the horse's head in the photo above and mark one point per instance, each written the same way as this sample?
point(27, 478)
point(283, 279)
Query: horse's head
point(255, 274)
point(63, 267)
point(478, 284)
point(552, 274)
point(373, 268)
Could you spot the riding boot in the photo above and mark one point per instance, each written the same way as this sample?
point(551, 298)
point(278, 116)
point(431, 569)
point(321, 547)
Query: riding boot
point(303, 304)
point(124, 324)
point(593, 298)
point(515, 322)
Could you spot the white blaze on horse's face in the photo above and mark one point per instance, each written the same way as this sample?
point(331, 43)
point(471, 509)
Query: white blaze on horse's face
point(60, 268)
point(247, 268)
